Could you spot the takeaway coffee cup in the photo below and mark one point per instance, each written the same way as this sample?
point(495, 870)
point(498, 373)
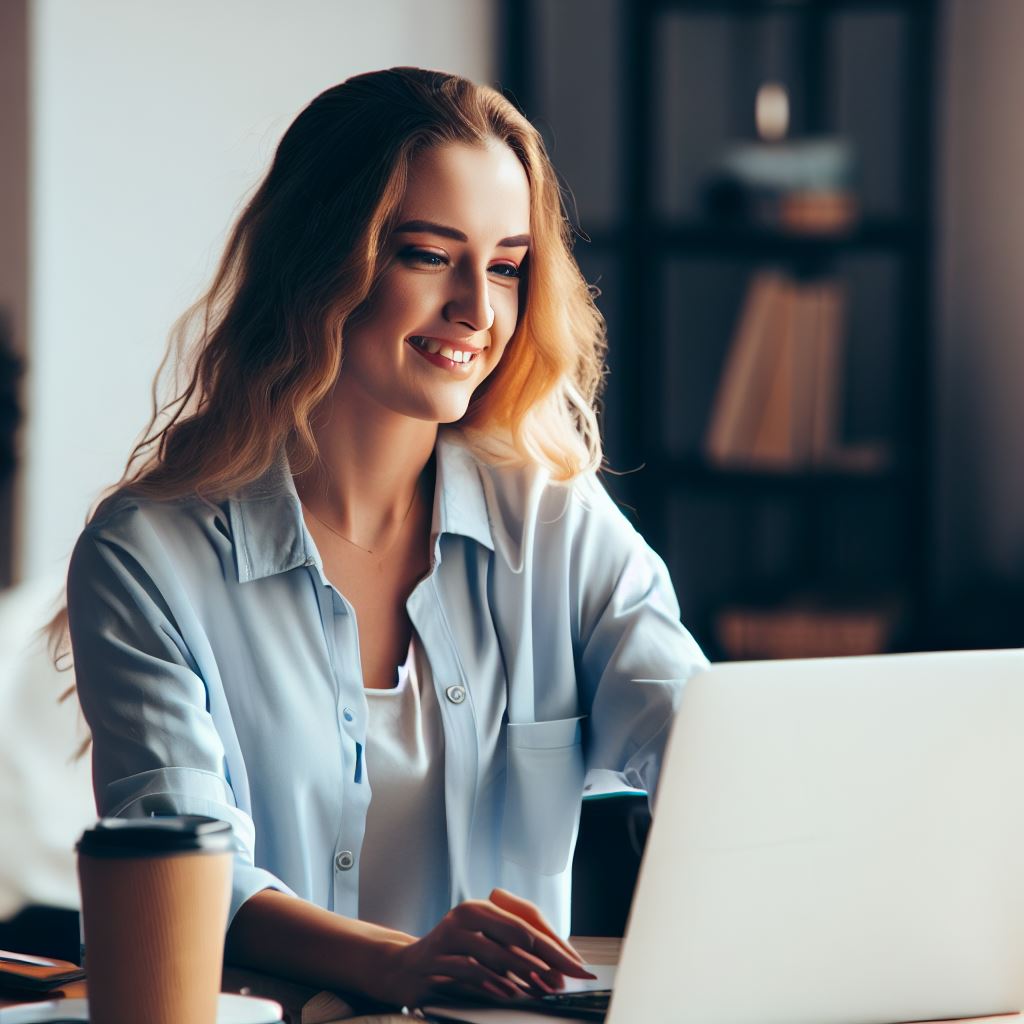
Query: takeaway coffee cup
point(155, 896)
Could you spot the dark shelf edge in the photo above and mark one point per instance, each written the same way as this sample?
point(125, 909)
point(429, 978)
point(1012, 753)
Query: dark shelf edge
point(701, 239)
point(693, 471)
point(794, 7)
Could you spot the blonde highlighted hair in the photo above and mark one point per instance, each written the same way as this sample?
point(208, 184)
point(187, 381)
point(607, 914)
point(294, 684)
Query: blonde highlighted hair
point(256, 355)
point(267, 337)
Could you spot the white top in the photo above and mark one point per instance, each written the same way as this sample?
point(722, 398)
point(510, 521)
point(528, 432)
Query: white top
point(404, 876)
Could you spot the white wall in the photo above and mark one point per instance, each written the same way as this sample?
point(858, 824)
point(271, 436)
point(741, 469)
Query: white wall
point(980, 286)
point(150, 121)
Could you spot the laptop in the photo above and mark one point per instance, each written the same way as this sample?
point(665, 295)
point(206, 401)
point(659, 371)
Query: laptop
point(835, 841)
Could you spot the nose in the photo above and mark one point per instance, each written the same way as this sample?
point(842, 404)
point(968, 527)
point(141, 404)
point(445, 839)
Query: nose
point(470, 303)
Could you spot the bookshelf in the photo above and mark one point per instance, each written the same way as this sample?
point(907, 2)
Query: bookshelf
point(638, 100)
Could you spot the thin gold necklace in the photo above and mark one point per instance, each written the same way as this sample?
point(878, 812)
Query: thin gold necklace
point(369, 551)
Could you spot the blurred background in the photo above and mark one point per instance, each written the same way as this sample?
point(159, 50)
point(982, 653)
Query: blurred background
point(802, 218)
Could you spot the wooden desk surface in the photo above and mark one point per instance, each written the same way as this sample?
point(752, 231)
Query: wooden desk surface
point(304, 1006)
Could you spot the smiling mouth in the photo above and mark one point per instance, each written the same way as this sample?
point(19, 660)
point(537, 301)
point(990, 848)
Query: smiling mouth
point(439, 350)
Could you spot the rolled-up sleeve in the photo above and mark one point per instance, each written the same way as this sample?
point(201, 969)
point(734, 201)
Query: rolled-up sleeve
point(156, 748)
point(634, 653)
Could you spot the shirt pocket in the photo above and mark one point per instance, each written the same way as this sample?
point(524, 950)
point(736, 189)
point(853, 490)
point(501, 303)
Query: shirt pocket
point(544, 789)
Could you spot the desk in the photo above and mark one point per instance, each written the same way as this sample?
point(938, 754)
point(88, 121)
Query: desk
point(305, 1006)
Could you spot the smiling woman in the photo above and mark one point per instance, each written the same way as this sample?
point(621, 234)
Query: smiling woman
point(448, 297)
point(359, 592)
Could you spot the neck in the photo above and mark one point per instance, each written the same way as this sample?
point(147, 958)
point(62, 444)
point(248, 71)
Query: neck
point(369, 467)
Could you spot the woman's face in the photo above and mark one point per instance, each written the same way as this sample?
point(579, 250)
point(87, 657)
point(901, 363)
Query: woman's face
point(447, 300)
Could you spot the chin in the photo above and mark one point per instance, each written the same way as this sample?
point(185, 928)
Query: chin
point(450, 415)
point(435, 411)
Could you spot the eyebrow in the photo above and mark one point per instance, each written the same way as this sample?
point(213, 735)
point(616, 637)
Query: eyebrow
point(432, 228)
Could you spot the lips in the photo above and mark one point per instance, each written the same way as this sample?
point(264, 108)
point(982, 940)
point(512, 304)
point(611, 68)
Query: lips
point(441, 352)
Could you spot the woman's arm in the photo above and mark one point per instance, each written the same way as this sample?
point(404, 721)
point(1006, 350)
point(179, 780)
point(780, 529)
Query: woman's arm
point(155, 746)
point(292, 938)
point(472, 948)
point(634, 654)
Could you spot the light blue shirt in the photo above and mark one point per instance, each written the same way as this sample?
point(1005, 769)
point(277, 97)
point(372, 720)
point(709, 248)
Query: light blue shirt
point(219, 672)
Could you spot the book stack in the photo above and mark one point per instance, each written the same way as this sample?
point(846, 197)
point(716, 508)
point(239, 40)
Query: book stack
point(805, 631)
point(778, 401)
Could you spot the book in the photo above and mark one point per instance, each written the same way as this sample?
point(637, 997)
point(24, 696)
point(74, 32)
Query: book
point(805, 630)
point(778, 402)
point(772, 441)
point(824, 420)
point(818, 212)
point(22, 972)
point(736, 411)
point(810, 344)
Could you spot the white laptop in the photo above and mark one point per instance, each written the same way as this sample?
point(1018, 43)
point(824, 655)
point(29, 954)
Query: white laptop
point(835, 841)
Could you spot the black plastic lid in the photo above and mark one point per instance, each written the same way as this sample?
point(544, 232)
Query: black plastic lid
point(151, 837)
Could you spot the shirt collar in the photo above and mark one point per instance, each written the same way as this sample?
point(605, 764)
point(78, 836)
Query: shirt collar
point(270, 535)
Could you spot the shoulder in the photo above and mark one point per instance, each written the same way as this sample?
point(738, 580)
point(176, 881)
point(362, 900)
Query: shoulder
point(125, 516)
point(150, 537)
point(569, 541)
point(530, 513)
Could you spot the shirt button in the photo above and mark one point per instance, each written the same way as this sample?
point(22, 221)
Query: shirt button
point(456, 694)
point(348, 714)
point(344, 860)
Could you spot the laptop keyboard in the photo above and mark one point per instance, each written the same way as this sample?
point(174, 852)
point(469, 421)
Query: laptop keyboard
point(591, 1005)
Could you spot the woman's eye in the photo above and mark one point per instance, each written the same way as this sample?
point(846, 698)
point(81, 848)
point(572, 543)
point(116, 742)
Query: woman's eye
point(506, 269)
point(425, 258)
point(428, 258)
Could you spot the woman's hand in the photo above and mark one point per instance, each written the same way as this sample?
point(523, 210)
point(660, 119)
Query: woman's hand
point(501, 946)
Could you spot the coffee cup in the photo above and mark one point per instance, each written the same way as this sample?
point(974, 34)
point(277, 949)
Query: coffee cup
point(155, 899)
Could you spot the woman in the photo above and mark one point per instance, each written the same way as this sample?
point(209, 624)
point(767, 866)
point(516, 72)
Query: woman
point(383, 459)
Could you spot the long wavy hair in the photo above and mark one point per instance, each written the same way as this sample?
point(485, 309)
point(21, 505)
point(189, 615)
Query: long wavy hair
point(249, 363)
point(266, 340)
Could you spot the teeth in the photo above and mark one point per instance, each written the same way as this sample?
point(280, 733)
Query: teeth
point(434, 347)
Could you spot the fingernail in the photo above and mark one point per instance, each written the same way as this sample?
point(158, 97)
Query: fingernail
point(541, 983)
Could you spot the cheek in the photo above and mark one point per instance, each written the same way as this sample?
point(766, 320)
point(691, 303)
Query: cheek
point(406, 291)
point(397, 298)
point(506, 315)
point(500, 337)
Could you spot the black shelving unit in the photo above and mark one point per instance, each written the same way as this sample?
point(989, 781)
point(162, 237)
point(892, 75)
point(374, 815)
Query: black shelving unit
point(633, 241)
